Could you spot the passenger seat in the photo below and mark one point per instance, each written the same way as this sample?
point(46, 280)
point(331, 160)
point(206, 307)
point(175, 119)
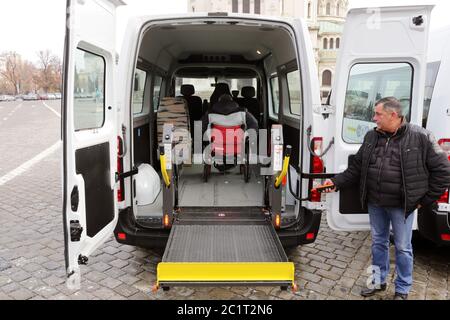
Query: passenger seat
point(220, 90)
point(249, 102)
point(195, 105)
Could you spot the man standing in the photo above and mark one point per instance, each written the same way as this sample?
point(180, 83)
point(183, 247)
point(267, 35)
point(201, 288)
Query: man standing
point(400, 168)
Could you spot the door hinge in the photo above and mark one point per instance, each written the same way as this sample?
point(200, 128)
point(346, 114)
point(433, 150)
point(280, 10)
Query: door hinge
point(121, 176)
point(82, 260)
point(76, 230)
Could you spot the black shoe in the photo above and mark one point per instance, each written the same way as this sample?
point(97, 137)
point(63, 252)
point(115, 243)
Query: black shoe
point(370, 292)
point(400, 296)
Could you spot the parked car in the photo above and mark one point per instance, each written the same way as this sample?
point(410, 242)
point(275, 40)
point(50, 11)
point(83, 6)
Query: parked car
point(31, 97)
point(7, 98)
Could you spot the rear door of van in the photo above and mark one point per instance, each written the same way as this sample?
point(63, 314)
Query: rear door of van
point(383, 53)
point(89, 130)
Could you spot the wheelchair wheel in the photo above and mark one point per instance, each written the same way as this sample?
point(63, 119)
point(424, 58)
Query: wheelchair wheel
point(206, 172)
point(247, 163)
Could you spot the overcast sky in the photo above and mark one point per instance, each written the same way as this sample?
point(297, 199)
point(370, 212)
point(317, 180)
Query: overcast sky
point(27, 26)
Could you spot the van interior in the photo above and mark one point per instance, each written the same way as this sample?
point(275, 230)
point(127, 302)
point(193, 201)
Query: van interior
point(255, 64)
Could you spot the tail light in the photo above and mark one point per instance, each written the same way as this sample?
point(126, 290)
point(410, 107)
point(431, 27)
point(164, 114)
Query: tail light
point(120, 191)
point(316, 167)
point(445, 145)
point(166, 221)
point(444, 197)
point(445, 237)
point(310, 236)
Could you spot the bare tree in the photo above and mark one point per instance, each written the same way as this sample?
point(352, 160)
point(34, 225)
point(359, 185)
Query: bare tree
point(50, 70)
point(30, 78)
point(11, 70)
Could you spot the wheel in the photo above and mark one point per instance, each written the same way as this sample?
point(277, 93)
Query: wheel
point(247, 163)
point(206, 172)
point(247, 173)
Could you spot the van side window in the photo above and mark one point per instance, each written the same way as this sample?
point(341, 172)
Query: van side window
point(295, 93)
point(432, 72)
point(89, 95)
point(275, 95)
point(368, 83)
point(140, 80)
point(156, 96)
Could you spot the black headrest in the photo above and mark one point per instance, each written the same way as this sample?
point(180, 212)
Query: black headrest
point(187, 90)
point(225, 107)
point(248, 92)
point(220, 89)
point(225, 98)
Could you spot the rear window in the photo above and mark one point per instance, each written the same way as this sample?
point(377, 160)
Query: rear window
point(204, 87)
point(367, 84)
point(89, 95)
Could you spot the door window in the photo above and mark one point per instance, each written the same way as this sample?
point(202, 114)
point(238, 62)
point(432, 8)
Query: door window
point(432, 72)
point(295, 92)
point(89, 90)
point(367, 84)
point(157, 92)
point(275, 95)
point(140, 79)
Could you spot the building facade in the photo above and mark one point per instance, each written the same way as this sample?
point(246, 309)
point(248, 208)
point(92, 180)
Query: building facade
point(325, 22)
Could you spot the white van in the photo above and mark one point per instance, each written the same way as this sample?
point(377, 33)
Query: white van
point(399, 74)
point(435, 225)
point(225, 229)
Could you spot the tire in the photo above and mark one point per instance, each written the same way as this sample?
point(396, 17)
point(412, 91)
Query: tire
point(206, 172)
point(247, 163)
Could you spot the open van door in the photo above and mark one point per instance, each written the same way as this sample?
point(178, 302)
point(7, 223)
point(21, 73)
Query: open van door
point(383, 53)
point(89, 130)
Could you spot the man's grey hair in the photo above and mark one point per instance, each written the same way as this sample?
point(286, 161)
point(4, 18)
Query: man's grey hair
point(391, 104)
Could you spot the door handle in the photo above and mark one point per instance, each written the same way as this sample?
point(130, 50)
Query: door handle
point(74, 199)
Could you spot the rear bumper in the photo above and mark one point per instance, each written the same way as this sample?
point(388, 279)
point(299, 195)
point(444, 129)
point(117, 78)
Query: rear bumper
point(157, 238)
point(432, 224)
point(305, 232)
point(138, 236)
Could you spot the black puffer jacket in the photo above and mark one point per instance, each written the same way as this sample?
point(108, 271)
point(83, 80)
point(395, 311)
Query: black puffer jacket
point(424, 166)
point(384, 174)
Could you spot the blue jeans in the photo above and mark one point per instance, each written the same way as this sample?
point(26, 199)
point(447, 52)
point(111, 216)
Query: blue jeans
point(380, 221)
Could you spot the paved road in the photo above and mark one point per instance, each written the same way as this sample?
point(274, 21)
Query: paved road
point(32, 250)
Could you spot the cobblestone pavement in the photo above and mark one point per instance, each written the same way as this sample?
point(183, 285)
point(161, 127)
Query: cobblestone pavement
point(32, 250)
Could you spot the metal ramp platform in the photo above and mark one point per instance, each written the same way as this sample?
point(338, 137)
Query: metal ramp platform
point(224, 246)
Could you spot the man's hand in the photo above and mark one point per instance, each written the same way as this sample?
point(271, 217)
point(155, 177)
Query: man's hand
point(329, 187)
point(419, 206)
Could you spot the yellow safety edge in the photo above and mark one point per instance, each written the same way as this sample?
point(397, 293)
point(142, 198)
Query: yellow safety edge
point(225, 272)
point(283, 173)
point(164, 170)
